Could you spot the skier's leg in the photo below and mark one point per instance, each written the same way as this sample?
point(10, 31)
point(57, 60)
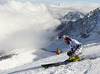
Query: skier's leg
point(71, 57)
point(77, 53)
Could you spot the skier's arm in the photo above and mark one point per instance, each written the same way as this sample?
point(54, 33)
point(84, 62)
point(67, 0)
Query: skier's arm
point(58, 37)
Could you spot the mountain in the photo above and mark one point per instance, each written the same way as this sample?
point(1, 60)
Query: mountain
point(71, 16)
point(83, 27)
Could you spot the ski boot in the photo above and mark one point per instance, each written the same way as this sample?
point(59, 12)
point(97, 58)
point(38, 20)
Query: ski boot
point(77, 58)
point(71, 59)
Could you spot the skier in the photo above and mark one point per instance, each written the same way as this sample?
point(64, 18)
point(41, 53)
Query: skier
point(74, 45)
point(58, 51)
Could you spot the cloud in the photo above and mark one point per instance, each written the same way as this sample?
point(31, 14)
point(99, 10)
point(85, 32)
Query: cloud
point(25, 24)
point(30, 24)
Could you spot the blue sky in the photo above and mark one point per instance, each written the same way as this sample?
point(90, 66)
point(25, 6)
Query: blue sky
point(94, 1)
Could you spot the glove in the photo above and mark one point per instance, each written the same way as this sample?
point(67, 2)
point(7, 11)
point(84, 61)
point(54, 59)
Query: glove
point(58, 37)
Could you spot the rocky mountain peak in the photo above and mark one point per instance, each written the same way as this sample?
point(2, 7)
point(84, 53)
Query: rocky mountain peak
point(83, 27)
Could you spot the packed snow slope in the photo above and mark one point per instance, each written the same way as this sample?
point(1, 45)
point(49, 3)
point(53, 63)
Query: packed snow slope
point(32, 24)
point(34, 67)
point(27, 27)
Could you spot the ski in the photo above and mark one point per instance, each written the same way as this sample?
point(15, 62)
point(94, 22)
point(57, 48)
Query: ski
point(54, 64)
point(58, 63)
point(65, 62)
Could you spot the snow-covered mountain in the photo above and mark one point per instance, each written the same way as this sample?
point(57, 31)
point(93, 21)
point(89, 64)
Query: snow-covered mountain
point(87, 27)
point(72, 16)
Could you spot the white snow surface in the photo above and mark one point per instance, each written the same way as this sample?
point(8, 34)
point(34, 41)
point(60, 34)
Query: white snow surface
point(18, 65)
point(27, 27)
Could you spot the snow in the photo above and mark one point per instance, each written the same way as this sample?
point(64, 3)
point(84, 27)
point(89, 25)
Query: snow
point(27, 27)
point(82, 67)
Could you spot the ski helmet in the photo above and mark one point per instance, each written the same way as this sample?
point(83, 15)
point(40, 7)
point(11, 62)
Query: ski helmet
point(67, 37)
